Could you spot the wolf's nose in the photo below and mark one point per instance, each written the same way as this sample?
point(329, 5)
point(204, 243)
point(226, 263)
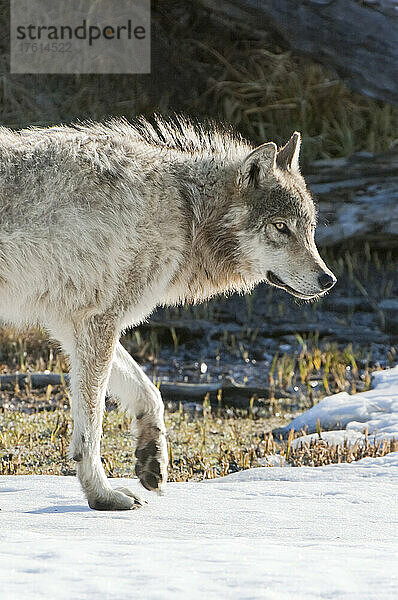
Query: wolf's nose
point(326, 281)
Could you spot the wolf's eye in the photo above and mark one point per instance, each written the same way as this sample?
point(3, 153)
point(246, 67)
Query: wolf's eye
point(282, 227)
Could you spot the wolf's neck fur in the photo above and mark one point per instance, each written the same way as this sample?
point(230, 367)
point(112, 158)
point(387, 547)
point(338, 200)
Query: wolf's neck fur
point(215, 260)
point(203, 164)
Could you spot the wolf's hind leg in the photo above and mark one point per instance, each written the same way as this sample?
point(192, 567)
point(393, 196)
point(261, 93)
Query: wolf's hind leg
point(142, 400)
point(91, 360)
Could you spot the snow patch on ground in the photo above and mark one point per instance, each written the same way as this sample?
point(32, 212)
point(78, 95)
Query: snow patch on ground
point(348, 416)
point(331, 438)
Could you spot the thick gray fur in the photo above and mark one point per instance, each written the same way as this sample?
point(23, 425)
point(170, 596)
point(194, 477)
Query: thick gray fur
point(101, 223)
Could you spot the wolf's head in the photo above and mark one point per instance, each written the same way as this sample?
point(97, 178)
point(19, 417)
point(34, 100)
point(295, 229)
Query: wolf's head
point(281, 221)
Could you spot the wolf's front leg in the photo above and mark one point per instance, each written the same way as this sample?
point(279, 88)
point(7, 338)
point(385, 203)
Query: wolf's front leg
point(91, 360)
point(142, 400)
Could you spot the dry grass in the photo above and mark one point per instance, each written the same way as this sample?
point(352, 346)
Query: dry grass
point(29, 351)
point(240, 77)
point(198, 449)
point(208, 446)
point(318, 452)
point(268, 93)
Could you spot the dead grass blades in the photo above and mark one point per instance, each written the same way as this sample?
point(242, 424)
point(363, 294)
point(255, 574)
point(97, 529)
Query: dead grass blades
point(203, 447)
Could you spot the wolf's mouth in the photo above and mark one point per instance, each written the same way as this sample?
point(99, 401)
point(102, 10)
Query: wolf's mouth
point(275, 280)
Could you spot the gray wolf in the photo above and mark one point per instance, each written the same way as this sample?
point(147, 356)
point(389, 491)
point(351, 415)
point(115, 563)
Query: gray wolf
point(101, 223)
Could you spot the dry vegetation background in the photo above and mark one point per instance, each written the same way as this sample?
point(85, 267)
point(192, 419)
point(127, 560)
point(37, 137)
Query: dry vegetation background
point(204, 67)
point(207, 67)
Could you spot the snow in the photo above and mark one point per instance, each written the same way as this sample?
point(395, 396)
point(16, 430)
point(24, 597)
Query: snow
point(332, 438)
point(271, 532)
point(268, 533)
point(348, 416)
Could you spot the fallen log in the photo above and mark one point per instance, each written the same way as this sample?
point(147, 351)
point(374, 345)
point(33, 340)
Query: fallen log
point(358, 199)
point(35, 380)
point(223, 393)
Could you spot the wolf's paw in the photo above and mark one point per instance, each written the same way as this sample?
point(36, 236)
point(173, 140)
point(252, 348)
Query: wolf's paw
point(151, 454)
point(118, 499)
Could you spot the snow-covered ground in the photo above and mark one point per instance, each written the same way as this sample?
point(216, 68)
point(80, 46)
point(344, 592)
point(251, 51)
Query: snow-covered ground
point(346, 417)
point(266, 533)
point(271, 533)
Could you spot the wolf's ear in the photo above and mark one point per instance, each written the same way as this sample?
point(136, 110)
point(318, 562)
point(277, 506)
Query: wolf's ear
point(258, 164)
point(288, 156)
